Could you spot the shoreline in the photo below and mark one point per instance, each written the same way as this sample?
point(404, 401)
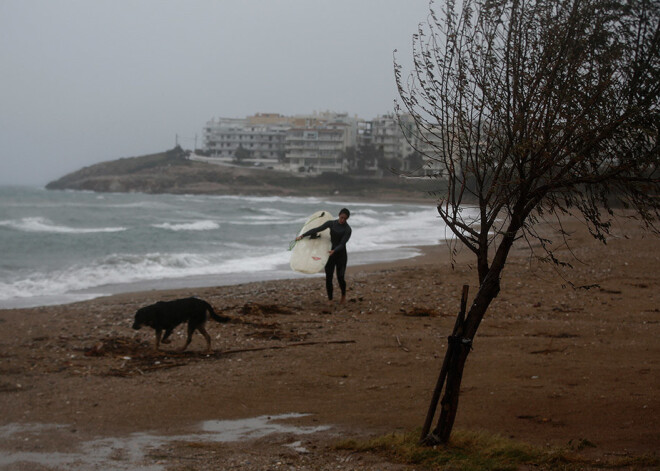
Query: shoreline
point(361, 260)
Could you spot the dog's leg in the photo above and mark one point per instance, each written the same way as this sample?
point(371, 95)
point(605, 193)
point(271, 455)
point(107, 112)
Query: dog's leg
point(191, 330)
point(166, 337)
point(206, 335)
point(158, 334)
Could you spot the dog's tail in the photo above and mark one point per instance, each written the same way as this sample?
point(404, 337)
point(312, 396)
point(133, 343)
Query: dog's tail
point(216, 317)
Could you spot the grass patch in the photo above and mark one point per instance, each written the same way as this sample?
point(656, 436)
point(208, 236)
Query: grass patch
point(474, 451)
point(467, 451)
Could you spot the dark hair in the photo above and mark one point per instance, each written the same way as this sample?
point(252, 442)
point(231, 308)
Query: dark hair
point(346, 212)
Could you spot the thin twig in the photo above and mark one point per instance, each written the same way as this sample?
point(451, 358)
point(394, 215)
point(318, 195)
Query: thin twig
point(401, 345)
point(277, 347)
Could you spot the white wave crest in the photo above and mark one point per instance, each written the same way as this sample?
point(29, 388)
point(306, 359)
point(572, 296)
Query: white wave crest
point(398, 229)
point(119, 269)
point(189, 226)
point(39, 224)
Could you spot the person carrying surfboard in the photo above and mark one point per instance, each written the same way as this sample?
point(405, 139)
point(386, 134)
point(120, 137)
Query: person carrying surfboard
point(340, 232)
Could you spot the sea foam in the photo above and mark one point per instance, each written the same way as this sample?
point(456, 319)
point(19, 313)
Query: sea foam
point(40, 224)
point(190, 226)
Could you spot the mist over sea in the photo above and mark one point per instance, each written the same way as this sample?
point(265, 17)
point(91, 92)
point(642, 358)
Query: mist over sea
point(65, 246)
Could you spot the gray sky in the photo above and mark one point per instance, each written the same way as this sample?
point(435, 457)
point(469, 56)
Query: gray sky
point(84, 81)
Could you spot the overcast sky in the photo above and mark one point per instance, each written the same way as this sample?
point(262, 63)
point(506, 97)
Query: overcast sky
point(85, 81)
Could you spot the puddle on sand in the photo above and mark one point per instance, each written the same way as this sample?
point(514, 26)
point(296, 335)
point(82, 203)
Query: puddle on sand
point(257, 427)
point(129, 453)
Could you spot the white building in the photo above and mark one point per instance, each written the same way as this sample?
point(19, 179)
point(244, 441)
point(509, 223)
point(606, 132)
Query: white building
point(389, 135)
point(262, 140)
point(310, 144)
point(318, 142)
point(318, 149)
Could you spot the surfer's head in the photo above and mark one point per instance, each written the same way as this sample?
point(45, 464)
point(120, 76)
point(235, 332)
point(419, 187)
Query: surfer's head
point(344, 214)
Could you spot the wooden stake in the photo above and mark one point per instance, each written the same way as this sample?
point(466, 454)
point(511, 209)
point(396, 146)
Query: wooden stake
point(458, 327)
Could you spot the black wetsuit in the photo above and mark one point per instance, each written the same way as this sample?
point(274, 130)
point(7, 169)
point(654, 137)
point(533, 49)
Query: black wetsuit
point(339, 235)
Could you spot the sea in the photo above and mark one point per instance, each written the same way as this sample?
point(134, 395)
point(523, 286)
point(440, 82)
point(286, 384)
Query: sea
point(59, 247)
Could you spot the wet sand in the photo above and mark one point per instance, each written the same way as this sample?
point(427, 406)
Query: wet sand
point(550, 366)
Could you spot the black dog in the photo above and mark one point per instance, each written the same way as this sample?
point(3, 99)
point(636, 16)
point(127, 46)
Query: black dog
point(166, 315)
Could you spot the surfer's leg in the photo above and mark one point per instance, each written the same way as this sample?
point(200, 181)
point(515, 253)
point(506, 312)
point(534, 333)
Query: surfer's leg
point(329, 270)
point(341, 271)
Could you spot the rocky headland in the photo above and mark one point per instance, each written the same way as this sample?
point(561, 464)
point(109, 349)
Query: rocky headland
point(173, 172)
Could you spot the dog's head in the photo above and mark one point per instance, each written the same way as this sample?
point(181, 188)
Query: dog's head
point(142, 317)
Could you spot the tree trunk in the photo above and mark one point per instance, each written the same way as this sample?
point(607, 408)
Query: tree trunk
point(461, 344)
point(458, 326)
point(449, 403)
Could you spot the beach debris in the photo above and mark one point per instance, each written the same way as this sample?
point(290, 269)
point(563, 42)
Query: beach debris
point(139, 358)
point(256, 309)
point(419, 312)
point(398, 341)
point(547, 351)
point(278, 334)
point(297, 344)
point(115, 346)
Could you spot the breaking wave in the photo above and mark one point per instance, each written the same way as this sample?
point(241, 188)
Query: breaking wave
point(40, 224)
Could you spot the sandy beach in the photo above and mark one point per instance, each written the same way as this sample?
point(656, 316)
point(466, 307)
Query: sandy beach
point(551, 366)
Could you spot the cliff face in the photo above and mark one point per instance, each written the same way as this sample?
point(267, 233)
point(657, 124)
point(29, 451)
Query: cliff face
point(171, 172)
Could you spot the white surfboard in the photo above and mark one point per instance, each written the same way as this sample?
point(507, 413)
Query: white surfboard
point(310, 255)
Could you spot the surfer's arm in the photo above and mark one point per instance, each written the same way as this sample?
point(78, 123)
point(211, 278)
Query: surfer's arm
point(315, 230)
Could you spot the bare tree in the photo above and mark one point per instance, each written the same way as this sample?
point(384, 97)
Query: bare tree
point(532, 109)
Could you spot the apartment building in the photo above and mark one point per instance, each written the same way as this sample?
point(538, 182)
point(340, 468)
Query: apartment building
point(261, 137)
point(307, 144)
point(318, 149)
point(318, 143)
point(389, 133)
